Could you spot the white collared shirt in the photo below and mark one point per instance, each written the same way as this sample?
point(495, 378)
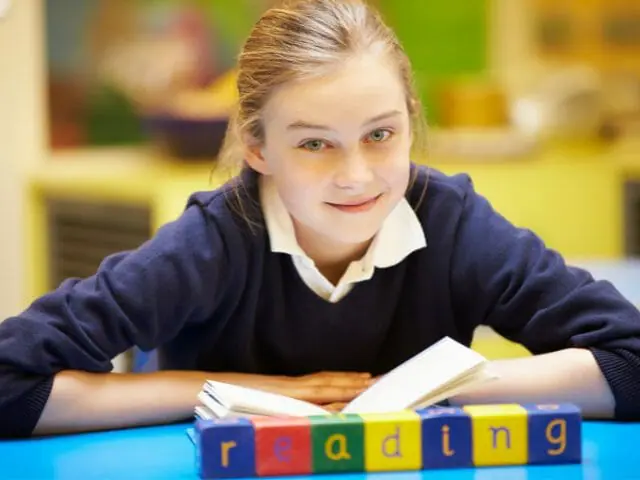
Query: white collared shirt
point(401, 233)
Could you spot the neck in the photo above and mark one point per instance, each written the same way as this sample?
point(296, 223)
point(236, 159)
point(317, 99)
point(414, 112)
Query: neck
point(332, 258)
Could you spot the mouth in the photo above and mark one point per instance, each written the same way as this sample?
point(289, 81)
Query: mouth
point(356, 206)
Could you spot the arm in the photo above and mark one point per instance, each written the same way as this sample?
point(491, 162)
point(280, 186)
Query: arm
point(82, 401)
point(139, 298)
point(569, 375)
point(585, 337)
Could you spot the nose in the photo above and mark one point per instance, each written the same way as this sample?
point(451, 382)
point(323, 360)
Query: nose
point(353, 172)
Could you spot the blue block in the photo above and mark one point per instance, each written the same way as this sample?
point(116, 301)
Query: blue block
point(555, 433)
point(446, 438)
point(225, 448)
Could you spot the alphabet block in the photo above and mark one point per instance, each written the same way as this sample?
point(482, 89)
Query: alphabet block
point(225, 448)
point(337, 443)
point(499, 434)
point(392, 441)
point(555, 433)
point(446, 438)
point(283, 446)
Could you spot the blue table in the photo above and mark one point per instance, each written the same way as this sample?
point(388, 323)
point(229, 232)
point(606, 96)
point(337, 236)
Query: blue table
point(609, 451)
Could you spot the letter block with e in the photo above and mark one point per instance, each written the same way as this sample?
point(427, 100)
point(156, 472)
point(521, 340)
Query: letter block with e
point(392, 441)
point(499, 434)
point(446, 438)
point(283, 446)
point(555, 434)
point(337, 443)
point(225, 448)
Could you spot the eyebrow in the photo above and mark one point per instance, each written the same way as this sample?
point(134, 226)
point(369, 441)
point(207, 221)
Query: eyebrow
point(306, 125)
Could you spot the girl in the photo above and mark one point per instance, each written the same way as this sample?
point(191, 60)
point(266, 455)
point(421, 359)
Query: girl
point(326, 262)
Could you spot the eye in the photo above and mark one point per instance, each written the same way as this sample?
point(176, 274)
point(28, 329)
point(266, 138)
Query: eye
point(379, 135)
point(313, 145)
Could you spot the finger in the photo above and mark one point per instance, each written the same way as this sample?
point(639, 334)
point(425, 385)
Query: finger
point(335, 406)
point(328, 394)
point(339, 379)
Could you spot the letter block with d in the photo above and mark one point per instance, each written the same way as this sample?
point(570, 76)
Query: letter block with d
point(283, 446)
point(446, 438)
point(337, 443)
point(225, 448)
point(392, 441)
point(554, 433)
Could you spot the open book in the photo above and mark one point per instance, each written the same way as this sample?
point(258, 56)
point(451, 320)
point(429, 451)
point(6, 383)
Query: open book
point(443, 370)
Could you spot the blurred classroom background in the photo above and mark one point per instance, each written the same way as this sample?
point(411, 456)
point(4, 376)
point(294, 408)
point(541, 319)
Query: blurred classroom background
point(112, 111)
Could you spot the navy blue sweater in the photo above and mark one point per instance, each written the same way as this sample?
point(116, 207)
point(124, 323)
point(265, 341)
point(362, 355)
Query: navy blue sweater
point(208, 293)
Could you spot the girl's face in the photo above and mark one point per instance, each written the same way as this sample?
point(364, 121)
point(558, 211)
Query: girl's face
point(338, 150)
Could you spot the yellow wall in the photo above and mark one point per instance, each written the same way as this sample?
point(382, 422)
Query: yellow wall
point(21, 136)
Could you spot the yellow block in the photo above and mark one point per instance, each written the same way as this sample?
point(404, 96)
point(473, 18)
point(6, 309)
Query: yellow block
point(499, 434)
point(392, 441)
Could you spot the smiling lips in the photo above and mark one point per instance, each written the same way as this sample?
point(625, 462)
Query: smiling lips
point(357, 206)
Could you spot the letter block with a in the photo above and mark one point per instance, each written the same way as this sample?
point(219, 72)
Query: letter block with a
point(225, 448)
point(283, 446)
point(337, 443)
point(555, 433)
point(392, 441)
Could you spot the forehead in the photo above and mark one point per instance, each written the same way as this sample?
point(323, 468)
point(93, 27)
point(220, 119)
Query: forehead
point(360, 89)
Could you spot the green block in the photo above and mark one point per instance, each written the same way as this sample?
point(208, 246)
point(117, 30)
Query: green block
point(337, 443)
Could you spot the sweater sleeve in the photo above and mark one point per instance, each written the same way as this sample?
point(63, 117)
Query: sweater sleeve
point(142, 298)
point(505, 277)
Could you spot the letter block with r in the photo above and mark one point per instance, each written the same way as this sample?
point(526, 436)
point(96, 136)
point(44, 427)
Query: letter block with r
point(225, 448)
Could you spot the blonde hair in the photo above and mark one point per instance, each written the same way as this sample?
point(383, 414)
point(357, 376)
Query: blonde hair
point(299, 39)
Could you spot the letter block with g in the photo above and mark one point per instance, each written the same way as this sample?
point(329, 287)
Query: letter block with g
point(337, 443)
point(554, 433)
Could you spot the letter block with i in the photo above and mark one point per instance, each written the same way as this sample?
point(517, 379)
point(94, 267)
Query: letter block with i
point(225, 448)
point(392, 441)
point(555, 434)
point(446, 438)
point(283, 446)
point(499, 434)
point(337, 443)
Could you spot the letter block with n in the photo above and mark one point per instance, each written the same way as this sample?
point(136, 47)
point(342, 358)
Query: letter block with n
point(499, 434)
point(555, 434)
point(225, 448)
point(337, 443)
point(446, 438)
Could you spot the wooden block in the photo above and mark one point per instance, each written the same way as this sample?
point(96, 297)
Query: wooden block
point(225, 448)
point(446, 438)
point(337, 443)
point(499, 434)
point(283, 446)
point(392, 441)
point(555, 433)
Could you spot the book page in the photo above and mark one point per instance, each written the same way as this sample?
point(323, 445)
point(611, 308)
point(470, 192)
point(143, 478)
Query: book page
point(430, 371)
point(259, 402)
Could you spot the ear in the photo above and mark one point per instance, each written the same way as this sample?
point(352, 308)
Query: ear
point(255, 158)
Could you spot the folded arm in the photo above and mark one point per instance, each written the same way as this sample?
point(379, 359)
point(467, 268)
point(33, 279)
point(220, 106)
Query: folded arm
point(142, 298)
point(583, 334)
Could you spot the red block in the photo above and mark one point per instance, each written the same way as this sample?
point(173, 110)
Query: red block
point(283, 446)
